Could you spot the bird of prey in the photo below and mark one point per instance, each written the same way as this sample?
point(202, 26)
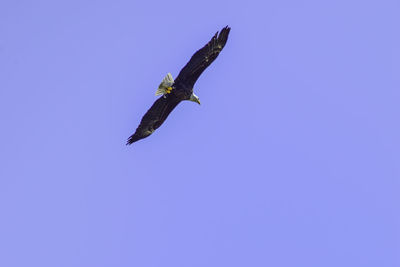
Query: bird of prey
point(173, 92)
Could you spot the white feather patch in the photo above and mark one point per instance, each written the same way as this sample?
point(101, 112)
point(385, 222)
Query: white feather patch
point(167, 82)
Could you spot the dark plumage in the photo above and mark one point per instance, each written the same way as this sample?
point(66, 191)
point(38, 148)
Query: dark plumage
point(173, 92)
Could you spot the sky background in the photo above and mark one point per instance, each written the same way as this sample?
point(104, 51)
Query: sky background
point(292, 159)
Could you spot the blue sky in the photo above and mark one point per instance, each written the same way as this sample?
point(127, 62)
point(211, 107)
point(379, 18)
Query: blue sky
point(291, 160)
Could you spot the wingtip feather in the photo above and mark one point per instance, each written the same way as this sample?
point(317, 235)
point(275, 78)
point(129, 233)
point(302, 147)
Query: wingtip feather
point(133, 138)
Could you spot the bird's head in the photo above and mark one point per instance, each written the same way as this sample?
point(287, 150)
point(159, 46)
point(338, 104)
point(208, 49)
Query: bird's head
point(194, 98)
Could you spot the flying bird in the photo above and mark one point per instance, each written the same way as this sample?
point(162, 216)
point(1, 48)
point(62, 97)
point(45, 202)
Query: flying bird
point(174, 91)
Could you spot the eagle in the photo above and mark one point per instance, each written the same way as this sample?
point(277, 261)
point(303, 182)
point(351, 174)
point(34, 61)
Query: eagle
point(174, 91)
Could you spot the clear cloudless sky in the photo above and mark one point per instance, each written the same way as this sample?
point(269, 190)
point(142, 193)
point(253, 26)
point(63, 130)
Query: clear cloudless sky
point(292, 159)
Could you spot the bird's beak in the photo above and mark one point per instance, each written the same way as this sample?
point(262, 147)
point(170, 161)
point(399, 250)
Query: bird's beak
point(195, 98)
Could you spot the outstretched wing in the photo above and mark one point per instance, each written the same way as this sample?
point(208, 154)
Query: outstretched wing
point(154, 117)
point(203, 58)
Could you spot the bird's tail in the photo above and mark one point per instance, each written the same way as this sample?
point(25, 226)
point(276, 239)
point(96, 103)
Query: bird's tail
point(166, 83)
